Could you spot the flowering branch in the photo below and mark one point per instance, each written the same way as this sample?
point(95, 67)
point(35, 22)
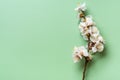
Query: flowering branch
point(91, 34)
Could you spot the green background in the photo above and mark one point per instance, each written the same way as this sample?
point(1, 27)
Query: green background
point(37, 39)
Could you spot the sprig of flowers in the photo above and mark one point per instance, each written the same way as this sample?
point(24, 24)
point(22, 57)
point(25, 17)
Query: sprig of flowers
point(91, 34)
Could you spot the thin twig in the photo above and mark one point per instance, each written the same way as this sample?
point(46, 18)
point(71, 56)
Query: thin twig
point(84, 71)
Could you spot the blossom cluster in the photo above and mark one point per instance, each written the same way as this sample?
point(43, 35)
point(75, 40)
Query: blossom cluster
point(90, 33)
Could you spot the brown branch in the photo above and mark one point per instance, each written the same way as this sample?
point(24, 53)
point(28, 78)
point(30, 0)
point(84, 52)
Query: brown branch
point(85, 66)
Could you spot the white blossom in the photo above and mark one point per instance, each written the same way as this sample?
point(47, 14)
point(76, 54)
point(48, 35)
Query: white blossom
point(90, 33)
point(89, 21)
point(87, 28)
point(94, 30)
point(83, 27)
point(94, 37)
point(79, 52)
point(84, 30)
point(81, 7)
point(97, 38)
point(94, 34)
point(98, 47)
point(83, 24)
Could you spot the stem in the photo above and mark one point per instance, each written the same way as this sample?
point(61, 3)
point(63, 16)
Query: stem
point(84, 71)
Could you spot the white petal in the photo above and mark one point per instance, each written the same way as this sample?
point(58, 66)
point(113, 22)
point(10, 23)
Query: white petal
point(85, 53)
point(100, 47)
point(100, 38)
point(76, 9)
point(76, 59)
point(84, 50)
point(89, 20)
point(83, 24)
point(94, 37)
point(80, 56)
point(81, 7)
point(94, 49)
point(95, 30)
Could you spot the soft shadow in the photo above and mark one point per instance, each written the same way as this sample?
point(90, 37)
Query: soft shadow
point(98, 57)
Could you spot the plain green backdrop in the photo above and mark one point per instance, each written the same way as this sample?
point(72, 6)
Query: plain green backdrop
point(37, 39)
